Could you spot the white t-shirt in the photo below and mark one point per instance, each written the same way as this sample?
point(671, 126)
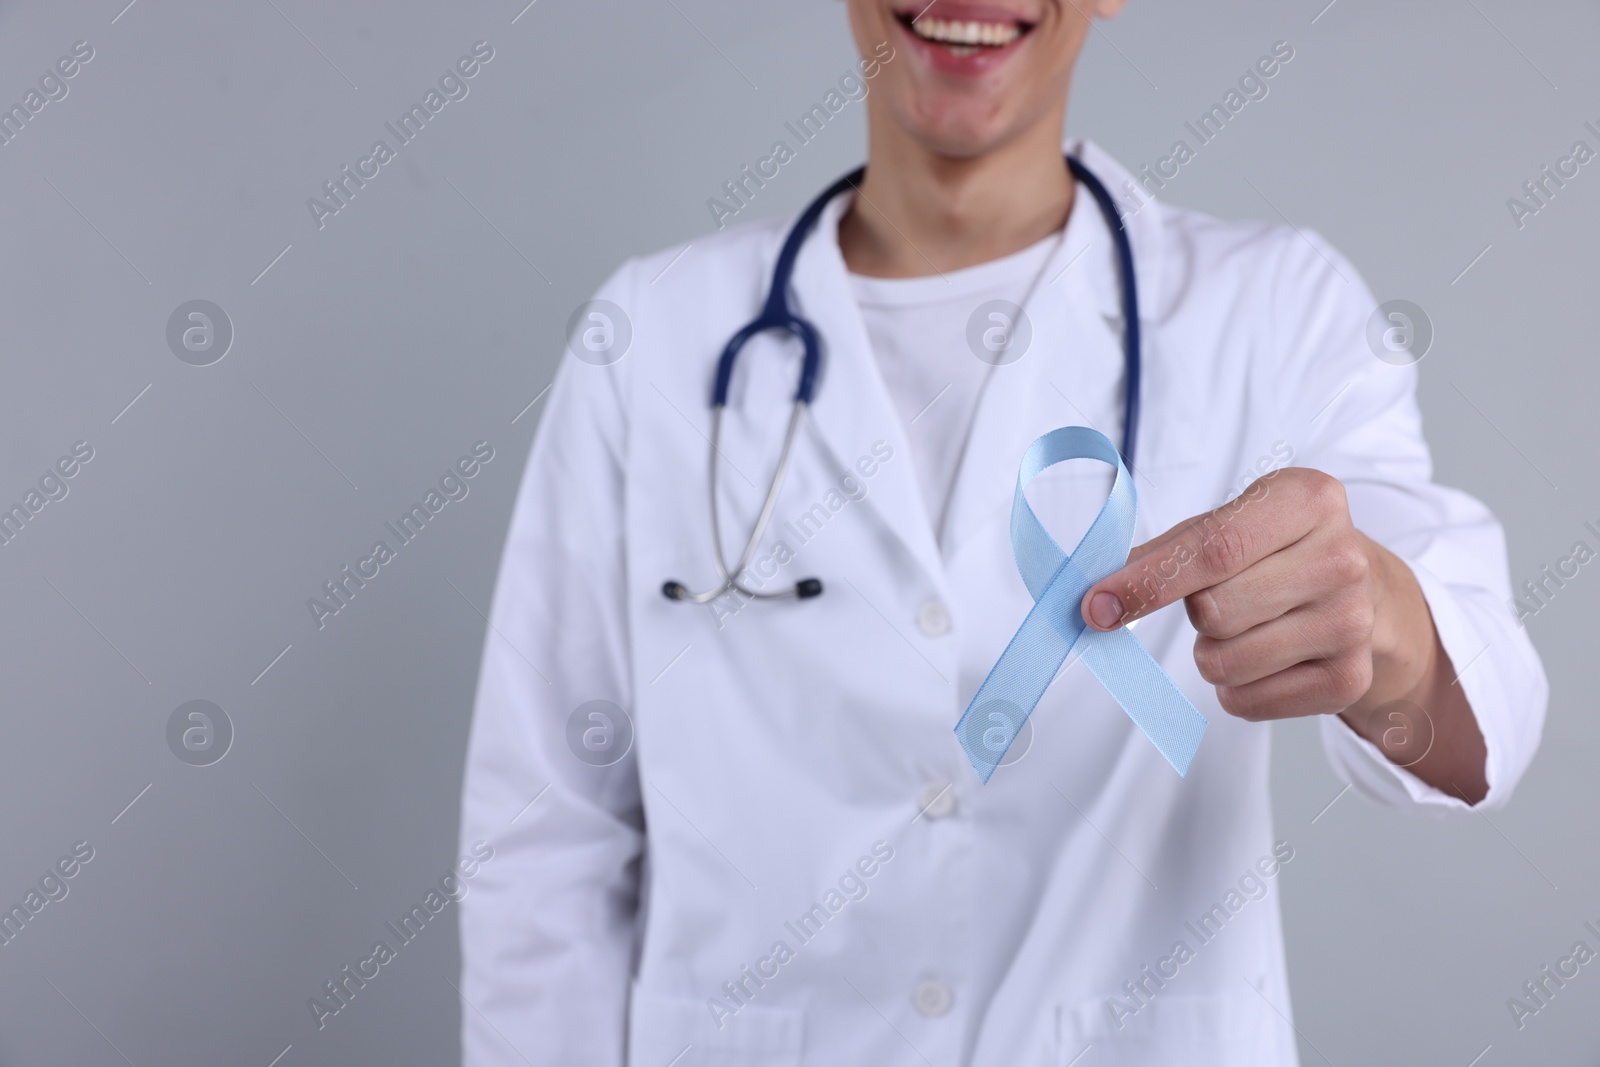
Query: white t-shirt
point(927, 344)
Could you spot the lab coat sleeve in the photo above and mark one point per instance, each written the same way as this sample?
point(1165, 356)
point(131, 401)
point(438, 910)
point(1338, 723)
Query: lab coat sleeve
point(548, 925)
point(1354, 416)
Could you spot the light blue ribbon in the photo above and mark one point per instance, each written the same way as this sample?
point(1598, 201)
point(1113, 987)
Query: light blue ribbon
point(1055, 627)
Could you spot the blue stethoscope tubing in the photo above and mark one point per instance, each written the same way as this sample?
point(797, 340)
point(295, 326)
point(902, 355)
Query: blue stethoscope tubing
point(776, 314)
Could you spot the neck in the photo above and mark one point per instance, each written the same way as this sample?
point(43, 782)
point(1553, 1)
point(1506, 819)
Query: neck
point(920, 213)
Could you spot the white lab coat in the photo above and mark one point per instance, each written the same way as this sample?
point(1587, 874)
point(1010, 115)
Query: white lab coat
point(783, 749)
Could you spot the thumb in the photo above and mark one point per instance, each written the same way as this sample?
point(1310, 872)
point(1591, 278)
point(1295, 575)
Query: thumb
point(1104, 606)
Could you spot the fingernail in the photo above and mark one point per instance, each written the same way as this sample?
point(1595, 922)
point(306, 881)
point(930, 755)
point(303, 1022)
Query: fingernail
point(1105, 610)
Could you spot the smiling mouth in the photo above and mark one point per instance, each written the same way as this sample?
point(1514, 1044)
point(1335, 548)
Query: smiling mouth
point(964, 37)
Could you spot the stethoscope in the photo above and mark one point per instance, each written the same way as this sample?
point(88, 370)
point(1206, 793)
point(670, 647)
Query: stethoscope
point(777, 315)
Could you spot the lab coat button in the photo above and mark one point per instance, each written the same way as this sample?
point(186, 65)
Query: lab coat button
point(932, 998)
point(937, 801)
point(933, 619)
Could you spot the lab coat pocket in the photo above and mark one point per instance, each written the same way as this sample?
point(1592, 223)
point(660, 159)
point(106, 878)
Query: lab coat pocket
point(661, 1026)
point(1226, 1030)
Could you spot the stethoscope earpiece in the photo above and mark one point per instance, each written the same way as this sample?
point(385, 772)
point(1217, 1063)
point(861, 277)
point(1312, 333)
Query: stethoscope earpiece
point(804, 589)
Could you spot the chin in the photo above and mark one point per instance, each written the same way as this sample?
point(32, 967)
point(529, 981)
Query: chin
point(954, 131)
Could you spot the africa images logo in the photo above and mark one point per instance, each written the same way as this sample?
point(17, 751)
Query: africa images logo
point(853, 885)
point(1142, 989)
point(52, 87)
point(742, 189)
point(453, 86)
point(452, 887)
point(342, 588)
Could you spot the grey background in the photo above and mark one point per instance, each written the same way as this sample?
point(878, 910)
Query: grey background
point(425, 317)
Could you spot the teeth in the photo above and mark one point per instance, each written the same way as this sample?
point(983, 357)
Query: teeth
point(953, 32)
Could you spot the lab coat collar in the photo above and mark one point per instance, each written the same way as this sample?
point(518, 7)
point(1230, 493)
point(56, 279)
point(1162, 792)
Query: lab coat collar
point(1074, 372)
point(1073, 366)
point(852, 407)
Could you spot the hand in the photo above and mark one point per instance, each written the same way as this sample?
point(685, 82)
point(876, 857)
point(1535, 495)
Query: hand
point(1299, 613)
point(1280, 587)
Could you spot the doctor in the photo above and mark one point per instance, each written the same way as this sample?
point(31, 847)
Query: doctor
point(743, 832)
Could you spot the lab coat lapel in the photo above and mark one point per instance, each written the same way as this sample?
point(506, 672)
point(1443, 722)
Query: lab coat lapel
point(1073, 372)
point(852, 407)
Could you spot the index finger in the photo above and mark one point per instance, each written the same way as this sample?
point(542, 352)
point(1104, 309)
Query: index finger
point(1196, 554)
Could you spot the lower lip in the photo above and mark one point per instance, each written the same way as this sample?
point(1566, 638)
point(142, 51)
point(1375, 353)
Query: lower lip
point(981, 62)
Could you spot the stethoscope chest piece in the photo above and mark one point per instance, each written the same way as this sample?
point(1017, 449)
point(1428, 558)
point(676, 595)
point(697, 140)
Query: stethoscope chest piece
point(732, 578)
